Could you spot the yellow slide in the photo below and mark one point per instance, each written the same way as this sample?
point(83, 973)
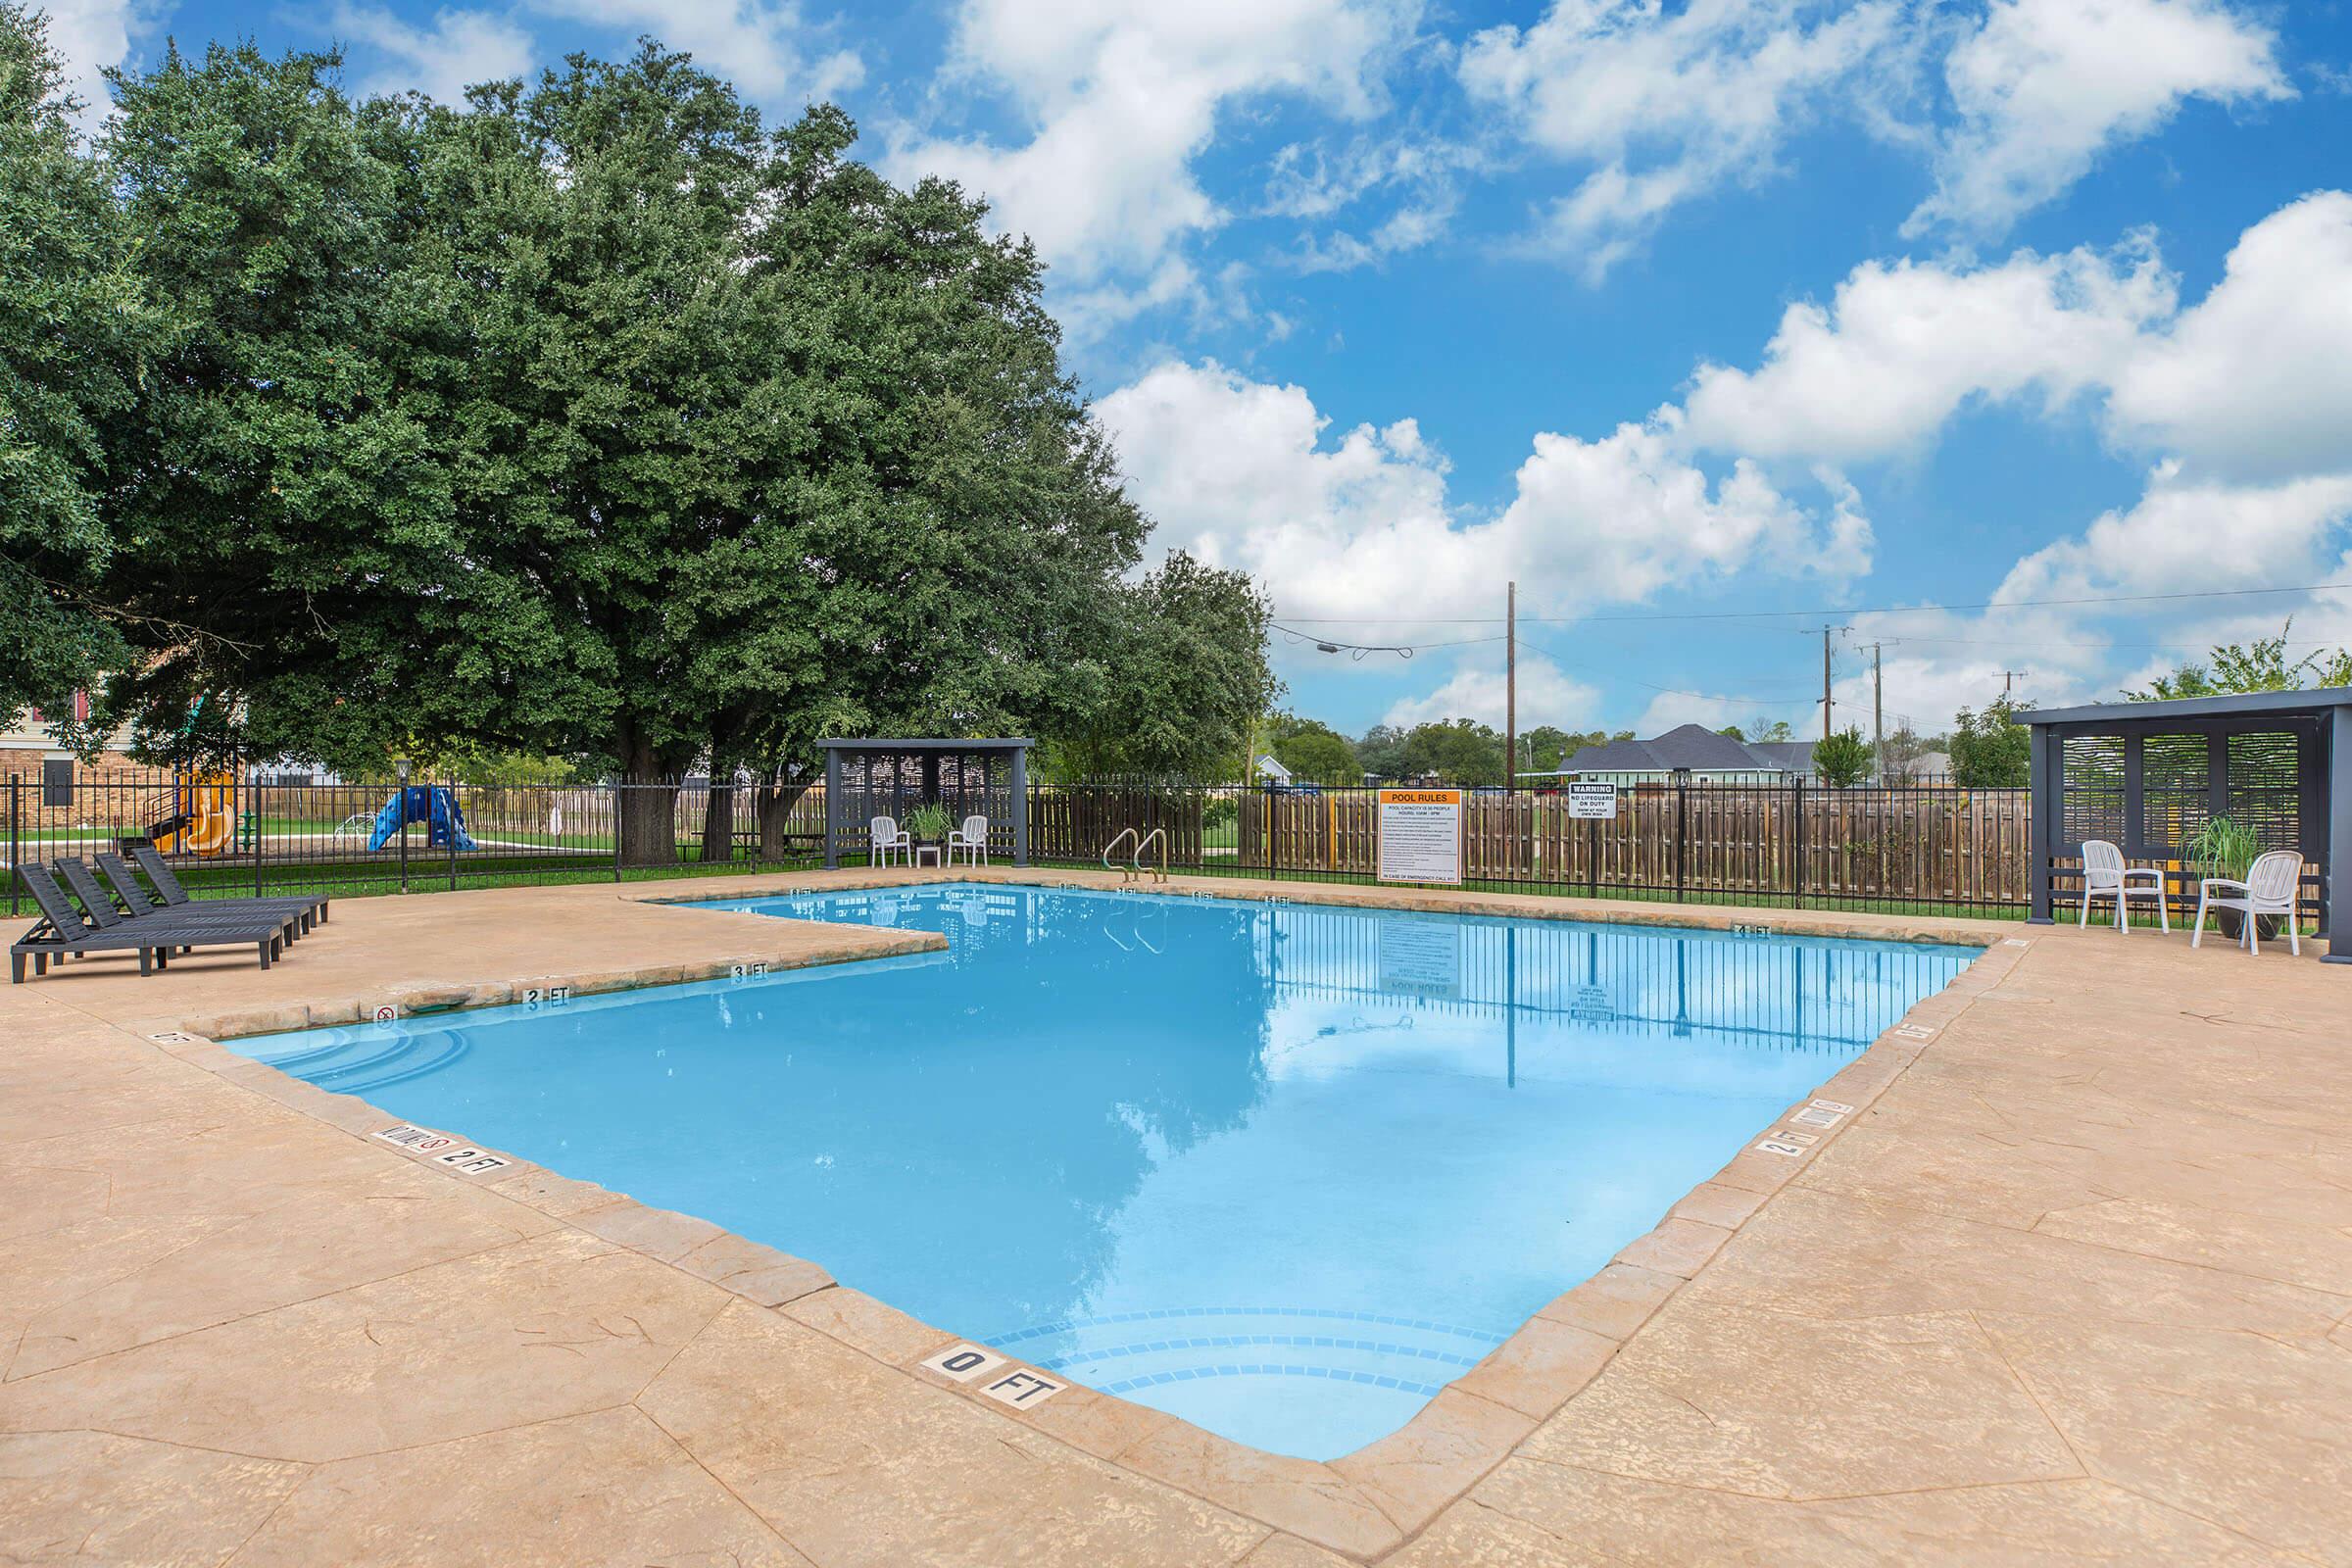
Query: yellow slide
point(206, 822)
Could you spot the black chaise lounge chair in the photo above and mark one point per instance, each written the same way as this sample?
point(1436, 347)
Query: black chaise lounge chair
point(62, 930)
point(137, 900)
point(166, 886)
point(101, 910)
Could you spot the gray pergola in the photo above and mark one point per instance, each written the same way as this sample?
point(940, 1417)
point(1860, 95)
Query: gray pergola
point(2145, 777)
point(869, 778)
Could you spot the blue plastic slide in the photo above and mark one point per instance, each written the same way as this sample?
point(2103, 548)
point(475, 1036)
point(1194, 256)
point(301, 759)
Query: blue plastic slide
point(429, 804)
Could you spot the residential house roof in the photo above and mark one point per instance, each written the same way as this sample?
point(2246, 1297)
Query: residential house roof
point(1790, 756)
point(1692, 747)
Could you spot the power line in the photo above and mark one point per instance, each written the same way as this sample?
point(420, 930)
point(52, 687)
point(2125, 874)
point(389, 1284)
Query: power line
point(1832, 610)
point(1706, 697)
point(1334, 645)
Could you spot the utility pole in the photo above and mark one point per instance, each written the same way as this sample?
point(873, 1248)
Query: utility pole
point(2008, 675)
point(1877, 708)
point(1825, 700)
point(1826, 722)
point(1510, 687)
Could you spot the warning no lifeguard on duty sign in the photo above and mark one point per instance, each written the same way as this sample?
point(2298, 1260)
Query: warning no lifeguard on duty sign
point(1421, 835)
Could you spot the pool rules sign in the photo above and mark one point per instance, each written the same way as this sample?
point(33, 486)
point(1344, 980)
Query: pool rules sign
point(1421, 835)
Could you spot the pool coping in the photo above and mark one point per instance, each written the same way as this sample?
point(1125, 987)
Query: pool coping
point(1362, 1505)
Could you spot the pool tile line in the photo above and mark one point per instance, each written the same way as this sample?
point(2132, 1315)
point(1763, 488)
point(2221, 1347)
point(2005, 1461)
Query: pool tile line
point(1233, 1342)
point(1268, 1369)
point(1339, 1506)
point(1067, 1325)
point(1724, 918)
point(430, 998)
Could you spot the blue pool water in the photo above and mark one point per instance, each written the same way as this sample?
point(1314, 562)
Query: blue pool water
point(1282, 1170)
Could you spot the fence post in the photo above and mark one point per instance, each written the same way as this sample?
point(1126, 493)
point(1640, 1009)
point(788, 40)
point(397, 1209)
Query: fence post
point(1681, 833)
point(1592, 858)
point(253, 788)
point(402, 767)
point(452, 830)
point(1797, 837)
point(16, 835)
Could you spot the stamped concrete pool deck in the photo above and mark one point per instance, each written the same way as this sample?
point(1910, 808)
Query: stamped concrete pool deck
point(2070, 1281)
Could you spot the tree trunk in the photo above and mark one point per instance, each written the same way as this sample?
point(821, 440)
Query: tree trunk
point(774, 803)
point(647, 815)
point(718, 818)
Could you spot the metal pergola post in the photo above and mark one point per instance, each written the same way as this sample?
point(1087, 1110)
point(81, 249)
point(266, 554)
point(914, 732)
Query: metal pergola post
point(1020, 806)
point(2337, 876)
point(832, 810)
point(2043, 810)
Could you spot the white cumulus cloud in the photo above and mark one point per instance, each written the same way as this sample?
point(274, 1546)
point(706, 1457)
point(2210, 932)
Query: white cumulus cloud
point(2256, 379)
point(1902, 346)
point(1245, 474)
point(2192, 537)
point(88, 36)
point(1120, 96)
point(461, 49)
point(1547, 695)
point(2251, 382)
point(767, 48)
point(1662, 106)
point(2044, 86)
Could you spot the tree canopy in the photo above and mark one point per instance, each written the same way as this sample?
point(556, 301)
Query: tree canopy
point(1991, 750)
point(1311, 749)
point(1842, 758)
point(588, 419)
point(73, 327)
point(2261, 666)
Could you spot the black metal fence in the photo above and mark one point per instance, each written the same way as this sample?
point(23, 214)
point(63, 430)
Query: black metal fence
point(1919, 848)
point(250, 832)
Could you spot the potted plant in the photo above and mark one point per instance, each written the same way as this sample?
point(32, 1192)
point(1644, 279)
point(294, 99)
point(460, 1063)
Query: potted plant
point(2223, 848)
point(929, 824)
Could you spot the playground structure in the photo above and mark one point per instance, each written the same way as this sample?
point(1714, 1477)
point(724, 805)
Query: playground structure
point(199, 815)
point(433, 804)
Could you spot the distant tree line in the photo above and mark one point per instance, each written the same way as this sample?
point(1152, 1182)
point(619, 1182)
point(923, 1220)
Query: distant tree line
point(1459, 751)
point(589, 419)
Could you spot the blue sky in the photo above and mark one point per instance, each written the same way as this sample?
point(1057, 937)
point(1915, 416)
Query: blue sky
point(1687, 317)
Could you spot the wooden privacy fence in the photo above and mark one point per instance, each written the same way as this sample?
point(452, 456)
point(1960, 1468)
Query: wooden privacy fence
point(1936, 845)
point(1080, 821)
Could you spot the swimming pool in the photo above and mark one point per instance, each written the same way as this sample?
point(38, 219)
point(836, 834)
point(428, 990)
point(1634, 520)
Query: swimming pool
point(1282, 1169)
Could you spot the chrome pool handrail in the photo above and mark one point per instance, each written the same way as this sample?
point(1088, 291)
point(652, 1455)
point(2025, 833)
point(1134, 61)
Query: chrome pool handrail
point(1108, 849)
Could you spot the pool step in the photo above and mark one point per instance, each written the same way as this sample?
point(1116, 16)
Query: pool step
point(368, 1059)
point(1127, 1352)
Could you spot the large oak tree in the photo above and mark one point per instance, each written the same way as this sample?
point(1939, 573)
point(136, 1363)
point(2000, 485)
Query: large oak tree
point(591, 418)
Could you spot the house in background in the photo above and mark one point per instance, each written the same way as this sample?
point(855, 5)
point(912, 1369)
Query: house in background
point(1794, 759)
point(1269, 771)
point(1693, 752)
point(38, 774)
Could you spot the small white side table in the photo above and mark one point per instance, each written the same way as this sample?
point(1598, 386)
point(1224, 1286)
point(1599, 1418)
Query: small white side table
point(930, 852)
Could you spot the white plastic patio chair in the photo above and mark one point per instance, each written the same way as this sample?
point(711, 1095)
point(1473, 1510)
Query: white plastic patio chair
point(885, 835)
point(972, 839)
point(2270, 888)
point(2105, 876)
